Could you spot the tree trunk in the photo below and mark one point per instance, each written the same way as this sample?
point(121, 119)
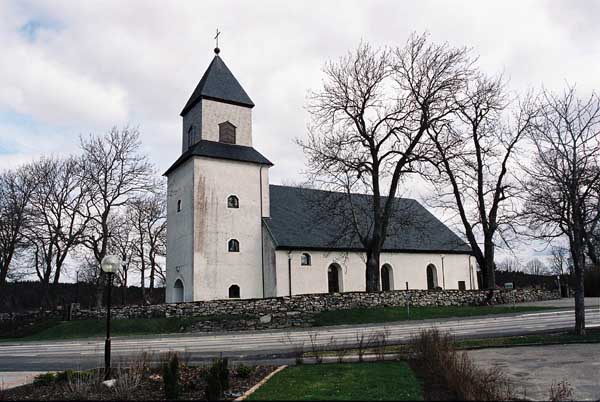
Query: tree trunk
point(579, 265)
point(373, 271)
point(489, 267)
point(3, 273)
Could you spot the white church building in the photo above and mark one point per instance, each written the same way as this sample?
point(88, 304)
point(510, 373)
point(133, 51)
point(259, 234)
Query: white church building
point(231, 234)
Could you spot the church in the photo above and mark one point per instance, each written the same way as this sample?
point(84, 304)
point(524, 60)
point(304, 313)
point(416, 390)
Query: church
point(231, 234)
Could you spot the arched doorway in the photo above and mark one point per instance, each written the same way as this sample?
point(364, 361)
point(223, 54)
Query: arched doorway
point(334, 278)
point(234, 292)
point(387, 278)
point(178, 291)
point(432, 281)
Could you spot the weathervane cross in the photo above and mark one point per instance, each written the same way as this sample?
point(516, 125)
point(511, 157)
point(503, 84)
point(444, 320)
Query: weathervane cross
point(217, 37)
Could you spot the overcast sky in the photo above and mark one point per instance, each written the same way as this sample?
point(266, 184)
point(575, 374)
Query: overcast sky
point(76, 67)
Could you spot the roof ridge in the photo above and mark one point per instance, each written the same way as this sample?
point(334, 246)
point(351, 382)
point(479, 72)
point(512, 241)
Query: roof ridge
point(340, 192)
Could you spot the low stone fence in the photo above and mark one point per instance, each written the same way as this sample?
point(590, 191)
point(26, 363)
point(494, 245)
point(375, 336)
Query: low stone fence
point(295, 311)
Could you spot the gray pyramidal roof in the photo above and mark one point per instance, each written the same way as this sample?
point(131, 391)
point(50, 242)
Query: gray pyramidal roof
point(218, 83)
point(310, 219)
point(218, 150)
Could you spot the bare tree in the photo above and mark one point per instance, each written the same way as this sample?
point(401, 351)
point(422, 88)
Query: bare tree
point(536, 267)
point(563, 183)
point(122, 241)
point(16, 188)
point(474, 173)
point(147, 215)
point(57, 221)
point(114, 171)
point(509, 264)
point(559, 263)
point(368, 125)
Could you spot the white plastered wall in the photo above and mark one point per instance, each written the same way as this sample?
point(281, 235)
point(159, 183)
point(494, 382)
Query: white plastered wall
point(180, 230)
point(215, 268)
point(406, 267)
point(214, 113)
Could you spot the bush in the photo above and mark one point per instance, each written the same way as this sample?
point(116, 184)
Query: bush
point(171, 377)
point(44, 379)
point(461, 376)
point(217, 380)
point(244, 371)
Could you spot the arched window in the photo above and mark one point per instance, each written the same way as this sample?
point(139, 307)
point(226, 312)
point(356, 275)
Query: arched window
point(305, 259)
point(191, 135)
point(227, 133)
point(178, 291)
point(432, 279)
point(334, 278)
point(387, 278)
point(234, 292)
point(233, 246)
point(233, 202)
point(178, 205)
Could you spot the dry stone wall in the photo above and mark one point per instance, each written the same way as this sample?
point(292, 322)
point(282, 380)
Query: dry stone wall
point(295, 311)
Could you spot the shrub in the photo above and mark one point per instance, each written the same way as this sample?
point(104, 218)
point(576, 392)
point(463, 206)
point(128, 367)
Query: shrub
point(79, 384)
point(171, 377)
point(44, 379)
point(217, 379)
point(462, 377)
point(244, 371)
point(562, 391)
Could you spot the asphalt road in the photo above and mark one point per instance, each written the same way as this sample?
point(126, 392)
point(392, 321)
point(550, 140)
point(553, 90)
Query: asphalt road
point(80, 354)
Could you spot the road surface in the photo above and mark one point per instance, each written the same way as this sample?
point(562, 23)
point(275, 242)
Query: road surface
point(80, 354)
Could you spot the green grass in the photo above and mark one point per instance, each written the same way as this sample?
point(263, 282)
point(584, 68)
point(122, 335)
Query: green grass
point(379, 381)
point(591, 336)
point(389, 314)
point(93, 328)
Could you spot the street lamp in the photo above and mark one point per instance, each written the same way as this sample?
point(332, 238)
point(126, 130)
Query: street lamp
point(110, 265)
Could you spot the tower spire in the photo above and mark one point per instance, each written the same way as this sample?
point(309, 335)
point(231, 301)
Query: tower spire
point(217, 50)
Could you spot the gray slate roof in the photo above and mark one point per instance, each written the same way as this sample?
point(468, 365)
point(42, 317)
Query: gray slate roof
point(299, 220)
point(218, 83)
point(212, 149)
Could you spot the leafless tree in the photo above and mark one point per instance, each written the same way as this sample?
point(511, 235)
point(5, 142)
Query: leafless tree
point(563, 179)
point(16, 188)
point(509, 264)
point(369, 122)
point(147, 215)
point(474, 172)
point(123, 242)
point(536, 267)
point(57, 221)
point(559, 263)
point(114, 171)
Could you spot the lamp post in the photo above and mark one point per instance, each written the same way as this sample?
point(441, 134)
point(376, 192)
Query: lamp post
point(110, 265)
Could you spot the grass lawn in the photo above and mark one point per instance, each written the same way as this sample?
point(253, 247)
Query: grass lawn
point(591, 336)
point(92, 328)
point(379, 381)
point(388, 314)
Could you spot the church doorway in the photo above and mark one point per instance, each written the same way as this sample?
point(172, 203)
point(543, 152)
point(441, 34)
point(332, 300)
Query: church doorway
point(387, 278)
point(334, 278)
point(178, 291)
point(432, 281)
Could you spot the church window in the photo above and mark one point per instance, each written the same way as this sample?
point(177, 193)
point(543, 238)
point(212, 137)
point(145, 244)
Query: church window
point(305, 259)
point(191, 135)
point(234, 246)
point(234, 292)
point(227, 133)
point(178, 205)
point(233, 202)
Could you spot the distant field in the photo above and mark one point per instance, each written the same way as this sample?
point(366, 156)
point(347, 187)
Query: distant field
point(390, 314)
point(393, 380)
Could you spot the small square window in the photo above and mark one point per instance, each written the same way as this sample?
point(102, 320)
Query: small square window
point(462, 285)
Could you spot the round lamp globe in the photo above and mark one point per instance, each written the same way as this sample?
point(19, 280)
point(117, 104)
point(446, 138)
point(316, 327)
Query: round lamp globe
point(110, 264)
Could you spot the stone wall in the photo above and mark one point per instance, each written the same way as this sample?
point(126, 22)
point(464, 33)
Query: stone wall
point(296, 311)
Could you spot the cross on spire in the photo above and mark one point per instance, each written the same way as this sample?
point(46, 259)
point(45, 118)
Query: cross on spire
point(217, 50)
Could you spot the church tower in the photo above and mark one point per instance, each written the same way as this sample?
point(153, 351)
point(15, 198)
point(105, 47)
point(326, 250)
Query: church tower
point(218, 195)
